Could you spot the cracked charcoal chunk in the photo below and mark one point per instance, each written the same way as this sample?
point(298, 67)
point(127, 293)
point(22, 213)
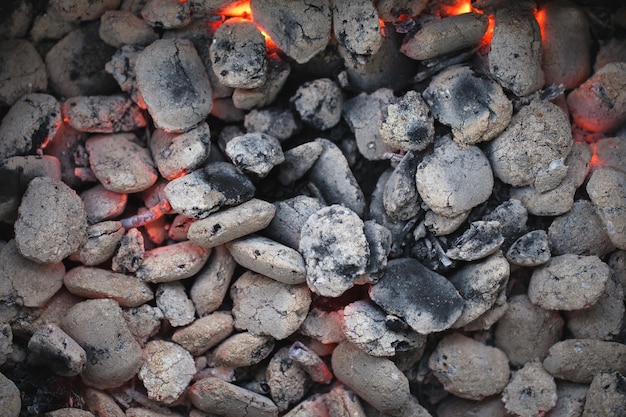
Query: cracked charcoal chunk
point(274, 121)
point(102, 240)
point(568, 282)
point(32, 121)
point(174, 84)
point(264, 306)
point(22, 72)
point(207, 190)
point(452, 180)
point(238, 54)
point(113, 355)
point(607, 189)
point(480, 240)
point(51, 222)
point(324, 326)
point(335, 250)
point(301, 30)
point(172, 300)
point(532, 249)
point(579, 360)
point(468, 368)
point(356, 26)
point(120, 163)
point(204, 333)
point(480, 284)
point(166, 371)
point(425, 300)
point(290, 216)
point(474, 107)
point(538, 139)
point(243, 349)
point(58, 350)
point(130, 253)
point(172, 262)
point(175, 155)
point(365, 326)
point(288, 382)
point(377, 379)
point(531, 391)
point(212, 395)
point(407, 123)
point(606, 395)
point(319, 103)
point(277, 73)
point(122, 68)
point(255, 153)
point(103, 114)
point(512, 216)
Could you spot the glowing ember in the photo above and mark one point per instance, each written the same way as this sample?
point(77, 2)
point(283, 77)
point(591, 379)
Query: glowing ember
point(540, 17)
point(460, 7)
point(238, 9)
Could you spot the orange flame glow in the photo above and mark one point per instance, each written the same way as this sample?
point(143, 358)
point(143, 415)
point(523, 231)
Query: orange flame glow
point(238, 9)
point(540, 17)
point(460, 7)
point(486, 40)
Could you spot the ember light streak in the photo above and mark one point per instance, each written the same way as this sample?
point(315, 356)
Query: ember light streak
point(152, 214)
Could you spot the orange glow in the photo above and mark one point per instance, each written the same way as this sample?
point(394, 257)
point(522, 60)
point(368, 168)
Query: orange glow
point(459, 7)
point(486, 40)
point(596, 162)
point(540, 17)
point(238, 9)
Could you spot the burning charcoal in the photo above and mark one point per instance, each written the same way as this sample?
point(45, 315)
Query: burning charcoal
point(521, 322)
point(474, 107)
point(243, 349)
point(531, 391)
point(277, 73)
point(452, 179)
point(212, 395)
point(440, 225)
point(255, 153)
point(288, 382)
point(211, 283)
point(379, 240)
point(272, 259)
point(324, 326)
point(319, 103)
point(232, 223)
point(172, 300)
point(298, 161)
point(489, 407)
point(143, 322)
point(314, 406)
point(291, 214)
point(102, 204)
point(566, 44)
point(537, 141)
point(224, 109)
point(51, 221)
point(274, 121)
point(579, 360)
point(29, 125)
point(120, 164)
point(570, 399)
point(113, 355)
point(335, 250)
point(17, 172)
point(480, 240)
point(604, 319)
point(58, 350)
point(76, 64)
point(311, 362)
point(119, 28)
point(103, 114)
point(178, 154)
point(580, 231)
point(356, 26)
point(204, 333)
point(515, 52)
point(598, 104)
point(612, 50)
point(23, 71)
point(468, 368)
point(568, 282)
point(264, 306)
point(363, 114)
point(238, 54)
point(407, 123)
point(99, 283)
point(611, 152)
point(101, 403)
point(391, 10)
point(440, 37)
point(365, 326)
point(378, 380)
point(607, 189)
point(130, 253)
point(122, 68)
point(560, 199)
point(531, 249)
point(299, 41)
point(174, 84)
point(172, 262)
point(11, 401)
point(342, 402)
point(332, 175)
point(207, 190)
point(480, 284)
point(605, 396)
point(165, 14)
point(425, 300)
point(82, 10)
point(166, 371)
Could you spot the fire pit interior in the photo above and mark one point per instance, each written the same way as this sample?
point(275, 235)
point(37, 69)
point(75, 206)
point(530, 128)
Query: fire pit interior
point(312, 208)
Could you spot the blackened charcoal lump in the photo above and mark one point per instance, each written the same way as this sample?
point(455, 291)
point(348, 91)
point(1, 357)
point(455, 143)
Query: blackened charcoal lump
point(255, 153)
point(480, 240)
point(407, 124)
point(531, 249)
point(319, 103)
